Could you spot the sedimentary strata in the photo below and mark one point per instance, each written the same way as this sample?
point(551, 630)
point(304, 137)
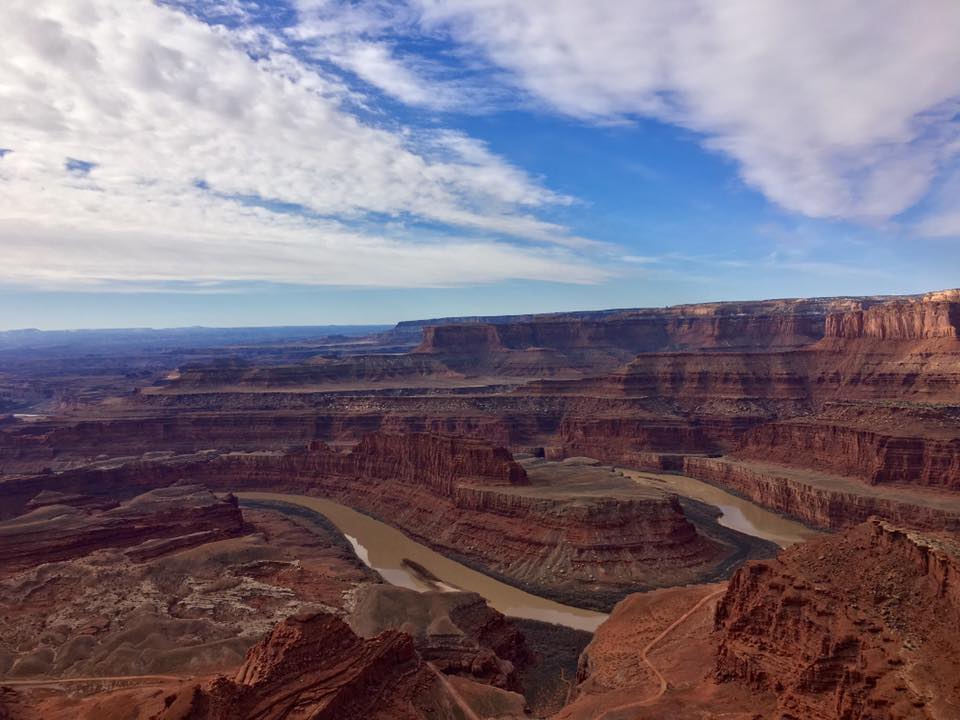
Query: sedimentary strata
point(880, 642)
point(315, 666)
point(827, 501)
point(179, 516)
point(466, 497)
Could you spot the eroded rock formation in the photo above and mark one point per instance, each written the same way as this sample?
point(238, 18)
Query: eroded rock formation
point(854, 626)
point(314, 666)
point(179, 516)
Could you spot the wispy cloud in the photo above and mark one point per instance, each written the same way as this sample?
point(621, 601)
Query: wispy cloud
point(137, 130)
point(830, 109)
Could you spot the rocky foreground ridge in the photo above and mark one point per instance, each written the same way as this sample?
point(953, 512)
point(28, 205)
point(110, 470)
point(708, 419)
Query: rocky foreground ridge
point(860, 625)
point(315, 666)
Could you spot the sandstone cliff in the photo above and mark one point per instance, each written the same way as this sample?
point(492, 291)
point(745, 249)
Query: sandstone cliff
point(877, 642)
point(644, 331)
point(179, 516)
point(876, 444)
point(314, 666)
point(821, 500)
point(466, 497)
point(910, 320)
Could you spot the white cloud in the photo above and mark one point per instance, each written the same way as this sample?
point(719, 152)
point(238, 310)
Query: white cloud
point(181, 123)
point(831, 108)
point(363, 38)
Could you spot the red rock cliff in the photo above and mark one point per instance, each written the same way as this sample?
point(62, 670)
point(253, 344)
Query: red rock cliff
point(909, 320)
point(877, 445)
point(173, 517)
point(314, 666)
point(633, 334)
point(853, 626)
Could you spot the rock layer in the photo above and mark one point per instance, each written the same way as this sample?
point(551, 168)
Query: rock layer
point(824, 500)
point(179, 516)
point(314, 666)
point(880, 642)
point(465, 497)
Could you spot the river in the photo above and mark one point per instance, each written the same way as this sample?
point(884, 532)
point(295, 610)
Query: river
point(737, 513)
point(384, 548)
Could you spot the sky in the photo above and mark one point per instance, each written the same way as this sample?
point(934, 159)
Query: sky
point(273, 162)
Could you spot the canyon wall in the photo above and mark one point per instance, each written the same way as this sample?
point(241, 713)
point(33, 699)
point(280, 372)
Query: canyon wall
point(820, 501)
point(908, 320)
point(465, 497)
point(315, 666)
point(158, 521)
point(585, 549)
point(880, 642)
point(630, 334)
point(879, 445)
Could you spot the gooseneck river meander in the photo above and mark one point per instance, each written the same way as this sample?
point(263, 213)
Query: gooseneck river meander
point(385, 549)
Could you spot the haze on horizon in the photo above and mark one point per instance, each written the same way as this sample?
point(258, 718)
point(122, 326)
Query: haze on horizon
point(295, 162)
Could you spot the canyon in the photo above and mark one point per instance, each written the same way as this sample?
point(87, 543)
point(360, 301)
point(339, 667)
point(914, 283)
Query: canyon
point(537, 450)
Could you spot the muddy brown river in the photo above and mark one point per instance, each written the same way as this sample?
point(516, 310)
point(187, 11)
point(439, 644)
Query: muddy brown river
point(385, 548)
point(738, 514)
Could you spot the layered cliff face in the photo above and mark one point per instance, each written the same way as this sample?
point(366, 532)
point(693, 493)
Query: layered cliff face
point(587, 547)
point(180, 516)
point(874, 443)
point(439, 459)
point(458, 633)
point(826, 500)
point(757, 325)
point(880, 642)
point(466, 497)
point(916, 320)
point(314, 666)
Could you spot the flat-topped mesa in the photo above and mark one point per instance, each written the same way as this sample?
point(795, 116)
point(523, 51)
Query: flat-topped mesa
point(631, 335)
point(460, 339)
point(925, 319)
point(319, 371)
point(467, 497)
point(880, 642)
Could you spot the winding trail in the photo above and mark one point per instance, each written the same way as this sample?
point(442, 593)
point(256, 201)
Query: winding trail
point(649, 646)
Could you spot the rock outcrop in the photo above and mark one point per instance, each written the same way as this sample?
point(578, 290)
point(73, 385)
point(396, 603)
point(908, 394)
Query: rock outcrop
point(827, 501)
point(762, 324)
point(578, 546)
point(876, 444)
point(314, 666)
point(880, 642)
point(179, 516)
point(910, 320)
point(466, 497)
point(457, 632)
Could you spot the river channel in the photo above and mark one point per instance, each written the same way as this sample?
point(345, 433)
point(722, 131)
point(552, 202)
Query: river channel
point(385, 549)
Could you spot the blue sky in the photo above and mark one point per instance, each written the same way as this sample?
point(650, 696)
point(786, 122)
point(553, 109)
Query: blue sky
point(233, 162)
